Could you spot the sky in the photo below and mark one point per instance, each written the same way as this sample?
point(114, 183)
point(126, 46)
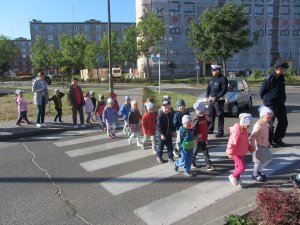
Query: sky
point(16, 14)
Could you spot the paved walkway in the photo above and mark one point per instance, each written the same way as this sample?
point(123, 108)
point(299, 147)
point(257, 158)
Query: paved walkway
point(9, 129)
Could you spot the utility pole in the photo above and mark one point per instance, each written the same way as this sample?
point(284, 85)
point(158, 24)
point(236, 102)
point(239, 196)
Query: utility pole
point(110, 79)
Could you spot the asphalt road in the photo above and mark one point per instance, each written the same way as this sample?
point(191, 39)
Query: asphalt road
point(80, 177)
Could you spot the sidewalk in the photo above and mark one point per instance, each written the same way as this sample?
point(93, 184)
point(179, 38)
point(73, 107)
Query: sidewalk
point(9, 129)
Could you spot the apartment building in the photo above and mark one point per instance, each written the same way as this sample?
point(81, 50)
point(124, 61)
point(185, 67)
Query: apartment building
point(22, 64)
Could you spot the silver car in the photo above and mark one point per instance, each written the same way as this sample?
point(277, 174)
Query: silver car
point(237, 96)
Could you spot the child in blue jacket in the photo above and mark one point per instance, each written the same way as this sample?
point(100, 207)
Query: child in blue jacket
point(124, 112)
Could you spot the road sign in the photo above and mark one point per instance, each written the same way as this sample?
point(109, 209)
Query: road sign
point(197, 67)
point(100, 58)
point(155, 57)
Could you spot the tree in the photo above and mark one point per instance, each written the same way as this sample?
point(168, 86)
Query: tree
point(149, 31)
point(91, 55)
point(221, 32)
point(114, 48)
point(128, 46)
point(40, 59)
point(8, 52)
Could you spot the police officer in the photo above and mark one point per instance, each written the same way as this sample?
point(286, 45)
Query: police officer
point(215, 92)
point(273, 94)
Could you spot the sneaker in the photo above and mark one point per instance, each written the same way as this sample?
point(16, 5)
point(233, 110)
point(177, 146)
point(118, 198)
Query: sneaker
point(210, 132)
point(76, 126)
point(295, 181)
point(258, 178)
point(114, 136)
point(280, 143)
point(274, 145)
point(60, 121)
point(139, 145)
point(171, 160)
point(110, 136)
point(44, 124)
point(154, 151)
point(187, 173)
point(82, 126)
point(38, 125)
point(176, 153)
point(159, 159)
point(209, 166)
point(233, 180)
point(175, 167)
point(219, 135)
point(262, 175)
point(18, 124)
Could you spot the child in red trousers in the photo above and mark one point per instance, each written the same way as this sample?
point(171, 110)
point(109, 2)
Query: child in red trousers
point(238, 146)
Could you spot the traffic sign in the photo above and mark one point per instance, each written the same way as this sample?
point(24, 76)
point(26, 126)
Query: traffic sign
point(155, 57)
point(100, 58)
point(197, 67)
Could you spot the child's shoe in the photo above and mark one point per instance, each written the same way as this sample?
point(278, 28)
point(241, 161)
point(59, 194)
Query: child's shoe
point(110, 136)
point(233, 180)
point(159, 160)
point(258, 178)
point(262, 175)
point(171, 160)
point(18, 124)
point(175, 167)
point(209, 166)
point(188, 173)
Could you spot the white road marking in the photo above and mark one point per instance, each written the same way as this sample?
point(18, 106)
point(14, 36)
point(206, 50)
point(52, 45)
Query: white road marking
point(186, 202)
point(138, 179)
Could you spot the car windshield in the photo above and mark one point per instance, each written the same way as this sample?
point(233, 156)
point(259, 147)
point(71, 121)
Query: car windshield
point(231, 86)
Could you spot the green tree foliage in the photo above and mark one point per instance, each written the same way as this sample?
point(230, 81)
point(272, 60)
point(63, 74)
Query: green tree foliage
point(128, 46)
point(149, 31)
point(8, 52)
point(114, 48)
point(256, 74)
point(40, 57)
point(221, 32)
point(90, 59)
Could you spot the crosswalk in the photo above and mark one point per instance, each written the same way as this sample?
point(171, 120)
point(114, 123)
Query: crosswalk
point(157, 211)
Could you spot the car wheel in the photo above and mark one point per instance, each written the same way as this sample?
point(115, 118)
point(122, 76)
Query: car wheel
point(249, 105)
point(234, 111)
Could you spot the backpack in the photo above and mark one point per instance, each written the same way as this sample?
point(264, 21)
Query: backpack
point(187, 139)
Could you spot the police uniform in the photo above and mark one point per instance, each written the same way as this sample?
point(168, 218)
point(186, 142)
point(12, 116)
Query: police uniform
point(273, 94)
point(217, 88)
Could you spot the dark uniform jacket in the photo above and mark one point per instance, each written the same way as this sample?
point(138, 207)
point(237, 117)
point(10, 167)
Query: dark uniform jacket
point(217, 87)
point(165, 124)
point(272, 91)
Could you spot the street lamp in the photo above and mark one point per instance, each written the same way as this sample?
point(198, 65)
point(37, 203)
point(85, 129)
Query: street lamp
point(110, 78)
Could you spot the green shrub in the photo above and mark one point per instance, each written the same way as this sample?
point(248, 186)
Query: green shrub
point(289, 74)
point(233, 219)
point(269, 70)
point(256, 74)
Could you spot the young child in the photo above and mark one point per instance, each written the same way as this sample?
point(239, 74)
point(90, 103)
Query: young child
point(177, 121)
point(259, 140)
point(148, 100)
point(165, 130)
point(56, 98)
point(186, 140)
point(114, 98)
point(200, 127)
point(94, 101)
point(134, 118)
point(149, 125)
point(100, 106)
point(124, 112)
point(238, 146)
point(22, 108)
point(88, 107)
point(110, 116)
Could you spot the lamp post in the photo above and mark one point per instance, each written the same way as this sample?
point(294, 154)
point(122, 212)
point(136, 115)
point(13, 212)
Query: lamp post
point(110, 78)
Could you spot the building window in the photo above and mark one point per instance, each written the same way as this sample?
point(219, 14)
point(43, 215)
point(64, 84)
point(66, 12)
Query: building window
point(88, 37)
point(36, 27)
point(50, 37)
point(98, 27)
point(86, 27)
point(49, 28)
point(76, 28)
point(98, 37)
point(59, 27)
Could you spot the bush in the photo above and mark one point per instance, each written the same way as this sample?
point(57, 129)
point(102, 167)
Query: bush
point(269, 70)
point(289, 74)
point(256, 74)
point(235, 220)
point(279, 207)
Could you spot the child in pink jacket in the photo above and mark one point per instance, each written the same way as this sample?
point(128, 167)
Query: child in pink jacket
point(238, 146)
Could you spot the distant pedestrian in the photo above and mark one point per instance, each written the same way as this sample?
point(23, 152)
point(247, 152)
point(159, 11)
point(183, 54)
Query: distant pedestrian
point(177, 121)
point(40, 99)
point(76, 101)
point(22, 108)
point(238, 146)
point(100, 106)
point(134, 120)
point(149, 125)
point(187, 140)
point(15, 99)
point(273, 94)
point(110, 117)
point(94, 101)
point(88, 107)
point(215, 92)
point(123, 113)
point(57, 99)
point(166, 130)
point(260, 145)
point(200, 128)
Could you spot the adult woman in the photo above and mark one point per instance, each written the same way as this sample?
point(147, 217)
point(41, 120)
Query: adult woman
point(40, 99)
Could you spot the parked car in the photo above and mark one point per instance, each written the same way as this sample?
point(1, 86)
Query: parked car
point(237, 96)
point(48, 79)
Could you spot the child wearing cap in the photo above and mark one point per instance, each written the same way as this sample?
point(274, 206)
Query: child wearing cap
point(238, 146)
point(22, 108)
point(168, 98)
point(165, 130)
point(259, 140)
point(88, 107)
point(124, 112)
point(186, 140)
point(110, 116)
point(200, 127)
point(134, 118)
point(149, 125)
point(56, 98)
point(177, 121)
point(100, 106)
point(94, 101)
